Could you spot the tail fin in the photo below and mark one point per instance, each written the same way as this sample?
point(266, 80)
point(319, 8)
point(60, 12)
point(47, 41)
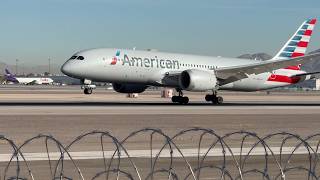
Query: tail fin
point(10, 77)
point(8, 72)
point(298, 43)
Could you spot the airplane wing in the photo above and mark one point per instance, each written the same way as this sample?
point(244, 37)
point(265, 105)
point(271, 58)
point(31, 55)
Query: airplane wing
point(227, 75)
point(32, 82)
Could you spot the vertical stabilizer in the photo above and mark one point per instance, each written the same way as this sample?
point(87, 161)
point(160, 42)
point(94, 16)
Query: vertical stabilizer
point(10, 77)
point(298, 43)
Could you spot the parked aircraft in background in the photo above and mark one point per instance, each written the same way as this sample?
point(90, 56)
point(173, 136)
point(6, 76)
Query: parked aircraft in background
point(26, 80)
point(132, 71)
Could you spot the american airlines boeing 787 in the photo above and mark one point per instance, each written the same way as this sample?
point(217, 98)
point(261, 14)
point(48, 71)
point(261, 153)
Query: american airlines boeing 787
point(132, 71)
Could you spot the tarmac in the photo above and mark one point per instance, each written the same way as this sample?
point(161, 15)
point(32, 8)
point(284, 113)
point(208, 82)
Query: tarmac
point(65, 113)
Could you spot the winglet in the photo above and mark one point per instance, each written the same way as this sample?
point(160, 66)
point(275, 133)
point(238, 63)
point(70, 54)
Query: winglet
point(298, 43)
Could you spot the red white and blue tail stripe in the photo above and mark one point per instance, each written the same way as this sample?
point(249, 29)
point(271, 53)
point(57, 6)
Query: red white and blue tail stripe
point(298, 43)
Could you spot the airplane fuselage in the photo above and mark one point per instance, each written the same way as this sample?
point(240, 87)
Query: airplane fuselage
point(150, 68)
point(35, 80)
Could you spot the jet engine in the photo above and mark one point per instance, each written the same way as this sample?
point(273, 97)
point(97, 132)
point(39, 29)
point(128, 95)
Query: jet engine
point(197, 80)
point(129, 88)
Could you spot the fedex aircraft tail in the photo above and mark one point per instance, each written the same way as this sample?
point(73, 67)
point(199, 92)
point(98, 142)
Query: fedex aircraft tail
point(8, 72)
point(298, 43)
point(10, 77)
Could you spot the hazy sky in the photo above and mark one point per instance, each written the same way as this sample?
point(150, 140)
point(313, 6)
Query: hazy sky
point(34, 30)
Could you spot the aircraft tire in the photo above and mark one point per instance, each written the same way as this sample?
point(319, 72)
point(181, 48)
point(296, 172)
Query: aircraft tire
point(185, 100)
point(209, 97)
point(87, 91)
point(180, 99)
point(219, 100)
point(174, 99)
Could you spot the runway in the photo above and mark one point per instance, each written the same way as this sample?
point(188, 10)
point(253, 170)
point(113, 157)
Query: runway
point(65, 113)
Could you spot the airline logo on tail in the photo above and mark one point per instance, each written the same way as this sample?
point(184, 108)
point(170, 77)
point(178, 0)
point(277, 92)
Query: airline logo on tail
point(115, 58)
point(295, 47)
point(298, 43)
point(10, 77)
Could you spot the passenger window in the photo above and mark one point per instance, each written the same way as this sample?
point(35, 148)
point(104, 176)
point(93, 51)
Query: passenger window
point(80, 58)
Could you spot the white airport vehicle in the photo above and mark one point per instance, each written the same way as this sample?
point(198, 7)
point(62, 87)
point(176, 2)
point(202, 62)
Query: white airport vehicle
point(132, 71)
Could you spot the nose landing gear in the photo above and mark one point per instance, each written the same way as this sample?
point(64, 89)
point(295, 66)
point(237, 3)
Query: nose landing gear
point(87, 86)
point(87, 91)
point(214, 98)
point(180, 98)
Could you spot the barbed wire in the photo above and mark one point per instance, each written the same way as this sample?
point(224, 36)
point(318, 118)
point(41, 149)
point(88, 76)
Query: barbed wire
point(194, 153)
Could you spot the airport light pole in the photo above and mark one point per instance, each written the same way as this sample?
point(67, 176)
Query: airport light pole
point(22, 67)
point(17, 60)
point(49, 61)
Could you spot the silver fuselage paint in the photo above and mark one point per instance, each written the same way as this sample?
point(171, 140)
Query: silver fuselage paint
point(150, 67)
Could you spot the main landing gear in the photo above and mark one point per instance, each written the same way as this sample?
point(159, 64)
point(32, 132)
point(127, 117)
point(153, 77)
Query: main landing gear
point(180, 98)
point(214, 98)
point(185, 100)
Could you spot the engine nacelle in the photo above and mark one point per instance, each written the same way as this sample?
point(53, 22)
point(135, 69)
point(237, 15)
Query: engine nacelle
point(129, 88)
point(198, 80)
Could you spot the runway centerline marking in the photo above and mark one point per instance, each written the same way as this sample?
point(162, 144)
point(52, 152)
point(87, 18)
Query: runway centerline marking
point(188, 153)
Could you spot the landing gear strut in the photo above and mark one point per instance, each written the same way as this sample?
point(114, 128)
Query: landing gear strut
point(214, 98)
point(180, 98)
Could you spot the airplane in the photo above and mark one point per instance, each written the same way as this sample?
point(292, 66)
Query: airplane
point(26, 80)
point(132, 71)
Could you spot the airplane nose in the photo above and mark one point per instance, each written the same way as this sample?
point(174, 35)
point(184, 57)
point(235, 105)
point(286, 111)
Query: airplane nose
point(65, 68)
point(75, 69)
point(69, 69)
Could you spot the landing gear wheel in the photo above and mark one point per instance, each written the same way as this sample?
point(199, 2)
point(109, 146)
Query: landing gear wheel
point(209, 97)
point(214, 99)
point(87, 91)
point(180, 99)
point(219, 100)
point(184, 100)
point(175, 99)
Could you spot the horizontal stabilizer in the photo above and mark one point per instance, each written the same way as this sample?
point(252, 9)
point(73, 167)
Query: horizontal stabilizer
point(306, 74)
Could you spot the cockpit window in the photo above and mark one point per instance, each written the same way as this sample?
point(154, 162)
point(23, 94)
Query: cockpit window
point(80, 58)
point(73, 57)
